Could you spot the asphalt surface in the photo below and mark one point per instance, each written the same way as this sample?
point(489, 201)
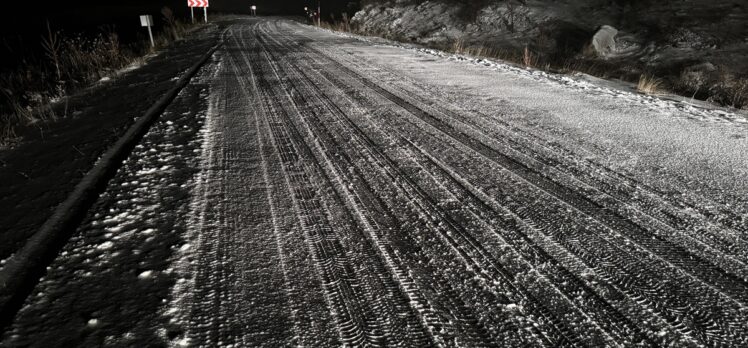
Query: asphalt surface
point(300, 193)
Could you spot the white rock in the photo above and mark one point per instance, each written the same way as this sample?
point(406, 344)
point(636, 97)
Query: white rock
point(604, 40)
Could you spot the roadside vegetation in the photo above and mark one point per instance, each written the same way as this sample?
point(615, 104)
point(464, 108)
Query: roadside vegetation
point(510, 30)
point(69, 63)
point(649, 84)
point(730, 91)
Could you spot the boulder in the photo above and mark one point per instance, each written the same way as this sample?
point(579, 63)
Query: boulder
point(604, 41)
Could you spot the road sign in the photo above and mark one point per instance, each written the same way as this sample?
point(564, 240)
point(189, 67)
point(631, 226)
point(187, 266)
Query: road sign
point(197, 3)
point(254, 10)
point(147, 21)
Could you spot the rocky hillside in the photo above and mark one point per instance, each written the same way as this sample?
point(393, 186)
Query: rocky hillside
point(698, 47)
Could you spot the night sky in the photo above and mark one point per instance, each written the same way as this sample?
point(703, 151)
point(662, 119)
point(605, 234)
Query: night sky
point(24, 25)
point(78, 15)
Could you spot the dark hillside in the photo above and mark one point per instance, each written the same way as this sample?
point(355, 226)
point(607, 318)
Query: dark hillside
point(698, 47)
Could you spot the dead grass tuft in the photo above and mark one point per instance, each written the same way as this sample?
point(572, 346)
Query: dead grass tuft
point(649, 84)
point(343, 25)
point(528, 58)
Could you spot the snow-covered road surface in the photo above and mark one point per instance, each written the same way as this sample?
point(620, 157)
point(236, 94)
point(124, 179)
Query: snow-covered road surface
point(313, 189)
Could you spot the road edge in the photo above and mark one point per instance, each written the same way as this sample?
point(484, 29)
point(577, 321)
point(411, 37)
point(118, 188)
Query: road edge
point(22, 271)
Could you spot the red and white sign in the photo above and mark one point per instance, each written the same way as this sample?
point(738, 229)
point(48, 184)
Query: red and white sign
point(197, 3)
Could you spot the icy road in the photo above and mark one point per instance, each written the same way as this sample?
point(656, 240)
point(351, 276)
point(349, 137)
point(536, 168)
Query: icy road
point(321, 190)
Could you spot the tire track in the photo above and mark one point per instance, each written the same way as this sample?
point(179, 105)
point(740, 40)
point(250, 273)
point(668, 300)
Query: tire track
point(308, 308)
point(710, 241)
point(265, 247)
point(706, 320)
point(475, 337)
point(702, 320)
point(631, 189)
point(730, 284)
point(212, 278)
point(466, 239)
point(352, 303)
point(727, 283)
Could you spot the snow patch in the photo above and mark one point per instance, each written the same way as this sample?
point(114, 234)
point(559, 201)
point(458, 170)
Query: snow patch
point(105, 246)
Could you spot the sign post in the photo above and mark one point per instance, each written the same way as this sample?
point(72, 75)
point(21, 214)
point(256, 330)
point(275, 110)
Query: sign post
point(147, 21)
point(198, 3)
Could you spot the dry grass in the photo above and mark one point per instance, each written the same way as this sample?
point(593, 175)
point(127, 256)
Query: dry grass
point(532, 58)
point(739, 95)
point(460, 47)
point(69, 64)
point(343, 25)
point(728, 91)
point(649, 84)
point(528, 58)
point(481, 51)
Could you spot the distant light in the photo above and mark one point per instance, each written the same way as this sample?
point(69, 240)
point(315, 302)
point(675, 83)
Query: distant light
point(254, 7)
point(306, 9)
